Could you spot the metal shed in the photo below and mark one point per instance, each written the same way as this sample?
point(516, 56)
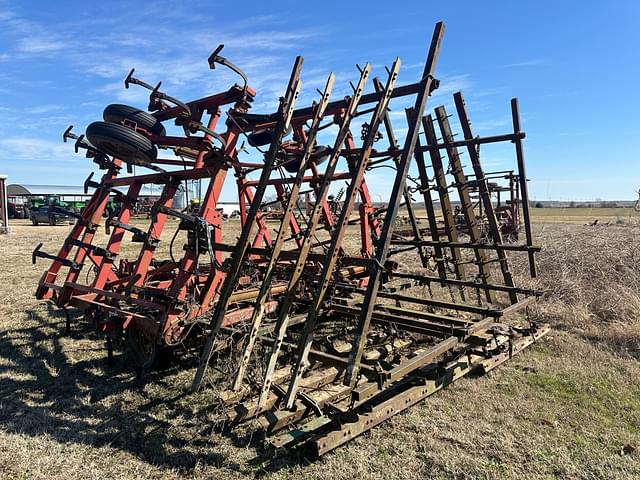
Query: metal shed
point(66, 192)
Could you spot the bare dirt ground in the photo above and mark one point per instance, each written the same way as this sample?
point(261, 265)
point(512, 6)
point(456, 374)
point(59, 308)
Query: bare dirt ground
point(568, 407)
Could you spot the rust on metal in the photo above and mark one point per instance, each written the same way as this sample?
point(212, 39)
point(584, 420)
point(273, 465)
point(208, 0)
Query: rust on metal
point(330, 312)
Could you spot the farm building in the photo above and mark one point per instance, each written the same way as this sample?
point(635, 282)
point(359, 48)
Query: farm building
point(228, 208)
point(22, 196)
point(67, 193)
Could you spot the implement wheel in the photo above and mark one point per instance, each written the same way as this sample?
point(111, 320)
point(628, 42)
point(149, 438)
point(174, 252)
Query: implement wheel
point(121, 142)
point(143, 347)
point(118, 113)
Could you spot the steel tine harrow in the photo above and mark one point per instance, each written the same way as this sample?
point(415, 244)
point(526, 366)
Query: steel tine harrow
point(314, 311)
point(301, 261)
point(276, 248)
point(283, 121)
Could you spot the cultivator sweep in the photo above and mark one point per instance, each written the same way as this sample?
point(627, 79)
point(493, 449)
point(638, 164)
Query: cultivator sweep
point(333, 321)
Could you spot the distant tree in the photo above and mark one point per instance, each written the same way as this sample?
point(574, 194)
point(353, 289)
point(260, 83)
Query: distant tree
point(572, 204)
point(539, 205)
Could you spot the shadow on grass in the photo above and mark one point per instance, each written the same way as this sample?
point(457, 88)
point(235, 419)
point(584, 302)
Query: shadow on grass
point(85, 400)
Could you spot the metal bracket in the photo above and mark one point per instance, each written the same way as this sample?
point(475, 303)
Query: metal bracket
point(216, 58)
point(120, 196)
point(138, 234)
point(191, 219)
point(99, 157)
point(37, 253)
point(97, 251)
point(156, 96)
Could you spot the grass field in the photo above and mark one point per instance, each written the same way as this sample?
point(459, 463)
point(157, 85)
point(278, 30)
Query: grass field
point(568, 407)
point(584, 215)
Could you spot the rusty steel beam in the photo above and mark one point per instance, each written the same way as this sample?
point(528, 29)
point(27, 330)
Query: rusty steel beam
point(369, 416)
point(445, 202)
point(485, 195)
point(283, 317)
point(284, 119)
point(408, 201)
point(394, 204)
point(466, 283)
point(428, 204)
point(463, 192)
point(276, 248)
point(522, 177)
point(338, 236)
point(469, 142)
point(472, 245)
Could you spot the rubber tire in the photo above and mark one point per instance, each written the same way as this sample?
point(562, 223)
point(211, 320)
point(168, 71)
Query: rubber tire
point(121, 142)
point(146, 361)
point(260, 138)
point(320, 155)
point(117, 113)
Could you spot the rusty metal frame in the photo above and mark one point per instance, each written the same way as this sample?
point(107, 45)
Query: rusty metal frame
point(276, 248)
point(283, 318)
point(336, 240)
point(282, 124)
point(393, 336)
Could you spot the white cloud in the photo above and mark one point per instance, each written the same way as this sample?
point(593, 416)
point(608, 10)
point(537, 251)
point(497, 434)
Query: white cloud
point(37, 45)
point(23, 149)
point(40, 109)
point(527, 63)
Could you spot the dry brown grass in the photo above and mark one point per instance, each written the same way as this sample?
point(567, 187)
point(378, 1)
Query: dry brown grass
point(565, 408)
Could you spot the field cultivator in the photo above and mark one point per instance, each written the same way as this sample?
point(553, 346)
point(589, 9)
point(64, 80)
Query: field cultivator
point(326, 320)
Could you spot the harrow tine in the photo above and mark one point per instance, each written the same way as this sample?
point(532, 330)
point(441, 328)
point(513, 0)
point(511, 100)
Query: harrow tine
point(399, 184)
point(284, 118)
point(96, 250)
point(38, 253)
point(336, 240)
point(67, 134)
point(258, 311)
point(321, 194)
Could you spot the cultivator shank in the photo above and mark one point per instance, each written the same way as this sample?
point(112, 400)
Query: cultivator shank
point(335, 318)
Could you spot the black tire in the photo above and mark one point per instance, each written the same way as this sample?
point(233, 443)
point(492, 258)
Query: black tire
point(117, 113)
point(34, 220)
point(320, 155)
point(260, 138)
point(121, 142)
point(144, 350)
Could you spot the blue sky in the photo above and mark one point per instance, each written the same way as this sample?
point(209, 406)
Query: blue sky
point(574, 65)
